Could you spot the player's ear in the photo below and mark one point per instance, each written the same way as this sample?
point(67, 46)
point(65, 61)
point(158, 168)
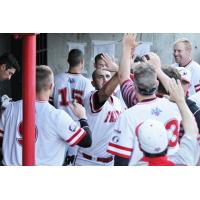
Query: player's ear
point(93, 83)
point(82, 61)
point(51, 86)
point(157, 83)
point(3, 67)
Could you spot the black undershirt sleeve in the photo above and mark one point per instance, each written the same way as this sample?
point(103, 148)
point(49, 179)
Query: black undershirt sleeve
point(87, 140)
point(195, 110)
point(119, 161)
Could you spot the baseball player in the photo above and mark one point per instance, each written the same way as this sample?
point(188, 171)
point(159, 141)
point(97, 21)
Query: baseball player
point(70, 86)
point(183, 57)
point(102, 110)
point(101, 62)
point(183, 75)
point(8, 66)
point(124, 143)
point(153, 140)
point(127, 84)
point(54, 128)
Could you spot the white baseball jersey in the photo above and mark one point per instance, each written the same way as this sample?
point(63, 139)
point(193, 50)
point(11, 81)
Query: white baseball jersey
point(69, 87)
point(194, 68)
point(54, 129)
point(187, 154)
point(124, 142)
point(118, 94)
point(101, 122)
point(196, 98)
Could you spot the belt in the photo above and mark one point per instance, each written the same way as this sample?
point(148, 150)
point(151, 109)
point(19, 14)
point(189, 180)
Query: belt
point(98, 159)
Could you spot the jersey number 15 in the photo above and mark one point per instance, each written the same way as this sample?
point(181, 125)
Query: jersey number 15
point(76, 95)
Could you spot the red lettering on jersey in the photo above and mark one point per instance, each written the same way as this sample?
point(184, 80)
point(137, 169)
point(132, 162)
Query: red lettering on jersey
point(20, 130)
point(63, 93)
point(112, 116)
point(174, 126)
point(106, 120)
point(76, 95)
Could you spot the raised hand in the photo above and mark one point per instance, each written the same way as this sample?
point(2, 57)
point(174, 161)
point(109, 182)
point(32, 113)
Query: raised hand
point(129, 40)
point(110, 64)
point(153, 59)
point(127, 56)
point(188, 120)
point(176, 91)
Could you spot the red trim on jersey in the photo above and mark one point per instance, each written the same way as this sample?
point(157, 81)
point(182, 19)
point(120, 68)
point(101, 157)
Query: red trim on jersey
point(92, 104)
point(118, 154)
point(198, 139)
point(120, 147)
point(112, 100)
point(159, 161)
point(80, 138)
point(159, 95)
point(197, 87)
point(186, 64)
point(125, 82)
point(132, 76)
point(73, 136)
point(137, 128)
point(147, 100)
point(128, 92)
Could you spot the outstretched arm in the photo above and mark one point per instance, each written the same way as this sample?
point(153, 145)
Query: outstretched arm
point(127, 86)
point(177, 95)
point(108, 88)
point(128, 44)
point(188, 153)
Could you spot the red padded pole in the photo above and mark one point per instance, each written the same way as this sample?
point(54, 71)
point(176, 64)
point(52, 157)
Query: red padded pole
point(29, 76)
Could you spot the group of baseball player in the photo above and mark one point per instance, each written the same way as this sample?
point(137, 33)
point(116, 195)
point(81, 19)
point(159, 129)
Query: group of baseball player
point(150, 117)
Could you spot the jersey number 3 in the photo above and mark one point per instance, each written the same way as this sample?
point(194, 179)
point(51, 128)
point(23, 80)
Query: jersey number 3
point(173, 127)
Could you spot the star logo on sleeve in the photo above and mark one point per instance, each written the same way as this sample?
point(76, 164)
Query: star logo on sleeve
point(156, 111)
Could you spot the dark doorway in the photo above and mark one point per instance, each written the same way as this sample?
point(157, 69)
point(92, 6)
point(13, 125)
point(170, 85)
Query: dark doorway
point(41, 59)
